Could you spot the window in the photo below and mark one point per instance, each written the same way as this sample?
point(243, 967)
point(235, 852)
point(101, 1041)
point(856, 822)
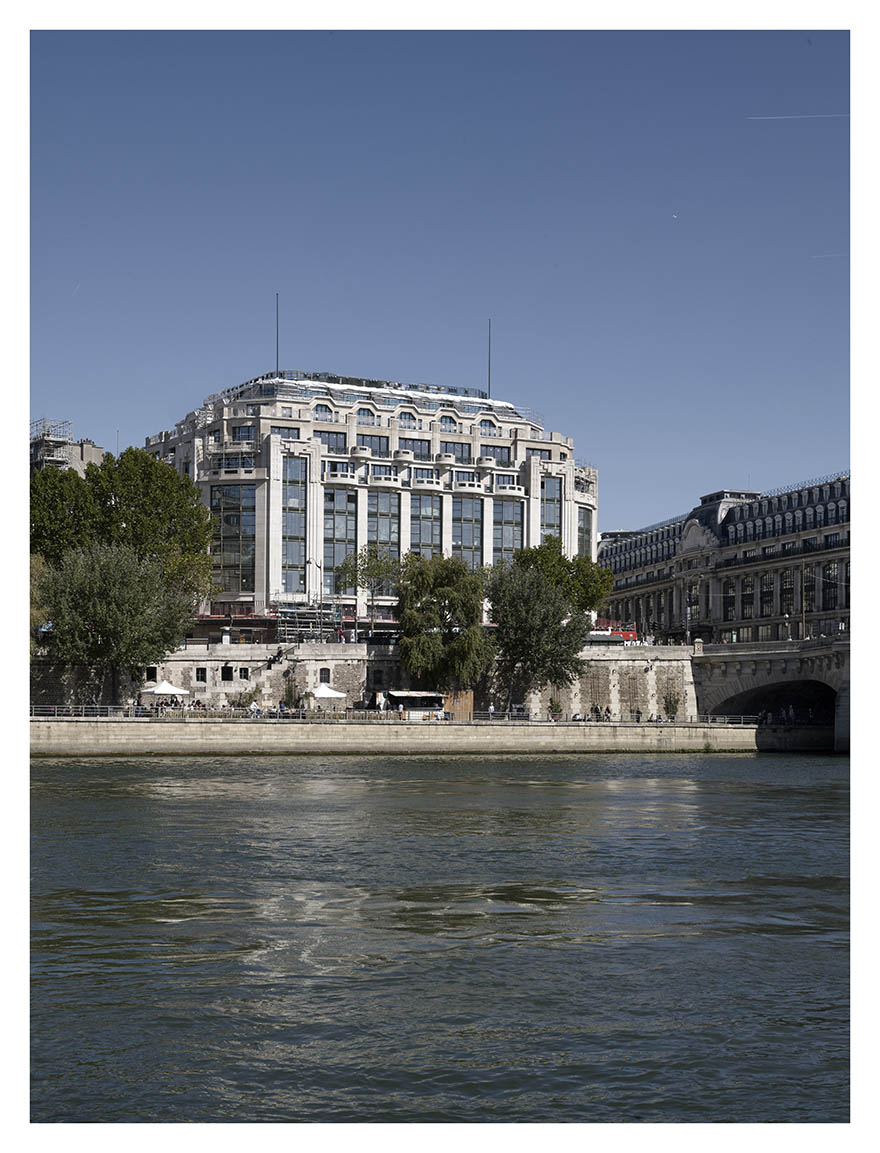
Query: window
point(378, 678)
point(786, 591)
point(294, 475)
point(151, 673)
point(540, 453)
point(425, 474)
point(324, 676)
point(551, 506)
point(467, 530)
point(465, 477)
point(232, 546)
point(488, 428)
point(832, 540)
point(425, 523)
point(585, 531)
point(284, 432)
point(383, 523)
point(378, 445)
point(747, 598)
point(766, 594)
point(340, 534)
point(829, 586)
point(366, 416)
point(448, 424)
point(333, 441)
point(507, 530)
point(202, 676)
point(461, 451)
point(406, 420)
point(323, 412)
point(728, 600)
point(226, 673)
point(808, 587)
point(243, 432)
point(286, 413)
point(421, 449)
point(501, 452)
point(505, 480)
point(243, 674)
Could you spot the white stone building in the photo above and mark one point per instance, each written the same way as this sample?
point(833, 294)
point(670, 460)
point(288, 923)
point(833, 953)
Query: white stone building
point(301, 469)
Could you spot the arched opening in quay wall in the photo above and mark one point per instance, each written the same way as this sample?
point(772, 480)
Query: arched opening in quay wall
point(812, 702)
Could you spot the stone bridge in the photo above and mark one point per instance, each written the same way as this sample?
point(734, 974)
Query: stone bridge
point(811, 675)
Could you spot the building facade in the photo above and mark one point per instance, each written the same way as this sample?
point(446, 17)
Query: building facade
point(302, 469)
point(740, 567)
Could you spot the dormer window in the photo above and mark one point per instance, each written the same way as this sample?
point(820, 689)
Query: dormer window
point(448, 423)
point(323, 412)
point(366, 416)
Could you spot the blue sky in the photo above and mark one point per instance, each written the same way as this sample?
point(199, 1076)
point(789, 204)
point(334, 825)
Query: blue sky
point(668, 279)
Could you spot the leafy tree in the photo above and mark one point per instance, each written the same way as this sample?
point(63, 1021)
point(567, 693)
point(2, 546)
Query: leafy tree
point(585, 584)
point(440, 609)
point(373, 569)
point(63, 512)
point(39, 614)
point(147, 505)
point(113, 610)
point(134, 500)
point(537, 638)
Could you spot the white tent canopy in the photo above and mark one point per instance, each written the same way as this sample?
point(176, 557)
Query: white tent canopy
point(166, 689)
point(324, 692)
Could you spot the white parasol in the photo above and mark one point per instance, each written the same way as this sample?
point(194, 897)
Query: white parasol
point(324, 692)
point(166, 689)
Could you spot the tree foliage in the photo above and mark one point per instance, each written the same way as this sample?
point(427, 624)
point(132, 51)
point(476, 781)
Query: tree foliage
point(113, 610)
point(440, 608)
point(372, 569)
point(63, 513)
point(133, 500)
point(585, 585)
point(537, 637)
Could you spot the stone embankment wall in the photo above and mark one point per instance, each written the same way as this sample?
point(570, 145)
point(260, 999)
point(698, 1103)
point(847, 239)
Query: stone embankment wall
point(76, 737)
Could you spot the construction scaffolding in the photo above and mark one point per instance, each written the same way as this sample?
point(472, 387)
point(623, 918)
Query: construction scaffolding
point(51, 442)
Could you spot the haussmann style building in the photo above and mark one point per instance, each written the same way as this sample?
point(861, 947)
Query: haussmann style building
point(741, 567)
point(302, 469)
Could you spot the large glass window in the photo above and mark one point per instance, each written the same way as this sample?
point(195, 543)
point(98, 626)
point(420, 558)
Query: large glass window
point(421, 449)
point(383, 521)
point(426, 524)
point(333, 441)
point(378, 444)
point(507, 530)
point(786, 591)
point(829, 585)
point(461, 451)
point(340, 535)
point(540, 453)
point(232, 548)
point(501, 452)
point(808, 579)
point(243, 432)
point(585, 531)
point(294, 475)
point(285, 433)
point(467, 530)
point(728, 600)
point(747, 598)
point(551, 506)
point(766, 594)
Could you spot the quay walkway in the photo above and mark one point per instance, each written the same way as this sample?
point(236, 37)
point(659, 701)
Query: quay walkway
point(105, 731)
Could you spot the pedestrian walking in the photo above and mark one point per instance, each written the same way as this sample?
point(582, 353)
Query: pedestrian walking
point(491, 712)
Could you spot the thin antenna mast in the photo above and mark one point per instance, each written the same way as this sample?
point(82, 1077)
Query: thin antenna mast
point(490, 359)
point(276, 335)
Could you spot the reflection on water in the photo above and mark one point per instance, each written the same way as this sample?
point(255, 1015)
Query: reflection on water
point(452, 939)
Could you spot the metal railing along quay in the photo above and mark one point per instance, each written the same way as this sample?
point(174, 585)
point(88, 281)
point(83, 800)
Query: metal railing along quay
point(374, 716)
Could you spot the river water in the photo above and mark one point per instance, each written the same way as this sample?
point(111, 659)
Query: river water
point(477, 939)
